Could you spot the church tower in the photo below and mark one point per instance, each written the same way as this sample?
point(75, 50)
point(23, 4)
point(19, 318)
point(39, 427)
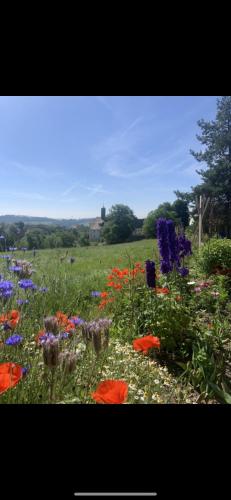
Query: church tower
point(103, 213)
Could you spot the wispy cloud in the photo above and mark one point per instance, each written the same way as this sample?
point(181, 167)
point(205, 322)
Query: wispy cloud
point(98, 188)
point(104, 101)
point(34, 171)
point(24, 195)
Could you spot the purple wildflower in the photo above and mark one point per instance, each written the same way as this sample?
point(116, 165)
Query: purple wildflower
point(162, 235)
point(150, 273)
point(172, 241)
point(15, 269)
point(25, 371)
point(76, 320)
point(197, 289)
point(14, 340)
point(20, 302)
point(6, 289)
point(183, 271)
point(184, 246)
point(163, 243)
point(43, 289)
point(26, 283)
point(95, 294)
point(47, 337)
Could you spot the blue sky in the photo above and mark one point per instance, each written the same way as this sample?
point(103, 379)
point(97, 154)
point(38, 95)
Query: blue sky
point(65, 156)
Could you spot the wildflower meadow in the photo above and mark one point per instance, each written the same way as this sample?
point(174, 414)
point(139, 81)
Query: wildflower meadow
point(145, 322)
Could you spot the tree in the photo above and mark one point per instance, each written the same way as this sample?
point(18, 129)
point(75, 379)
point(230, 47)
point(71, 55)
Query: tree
point(180, 207)
point(119, 225)
point(164, 210)
point(216, 177)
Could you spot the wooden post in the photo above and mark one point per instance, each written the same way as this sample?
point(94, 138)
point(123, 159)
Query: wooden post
point(200, 221)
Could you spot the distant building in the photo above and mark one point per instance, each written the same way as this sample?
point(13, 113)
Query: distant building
point(96, 226)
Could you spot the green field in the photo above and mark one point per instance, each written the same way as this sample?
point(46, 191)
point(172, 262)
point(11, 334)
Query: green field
point(69, 290)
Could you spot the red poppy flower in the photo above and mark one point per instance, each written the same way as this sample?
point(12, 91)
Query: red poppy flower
point(11, 318)
point(162, 290)
point(111, 392)
point(104, 294)
point(10, 374)
point(62, 318)
point(118, 286)
point(111, 283)
point(146, 343)
point(40, 334)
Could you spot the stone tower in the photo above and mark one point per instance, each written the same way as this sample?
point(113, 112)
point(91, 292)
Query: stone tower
point(103, 213)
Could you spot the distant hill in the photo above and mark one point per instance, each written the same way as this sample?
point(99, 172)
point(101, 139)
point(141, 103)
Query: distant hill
point(11, 219)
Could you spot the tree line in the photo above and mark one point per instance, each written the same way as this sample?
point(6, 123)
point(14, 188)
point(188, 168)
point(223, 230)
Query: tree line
point(42, 236)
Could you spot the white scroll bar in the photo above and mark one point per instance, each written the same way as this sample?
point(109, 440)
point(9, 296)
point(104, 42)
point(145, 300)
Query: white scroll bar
point(116, 494)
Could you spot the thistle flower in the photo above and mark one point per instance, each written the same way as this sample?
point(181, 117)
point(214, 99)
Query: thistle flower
point(97, 332)
point(68, 361)
point(51, 352)
point(51, 324)
point(150, 273)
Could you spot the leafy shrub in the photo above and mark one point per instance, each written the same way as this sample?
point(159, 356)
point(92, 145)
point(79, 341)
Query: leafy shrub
point(216, 254)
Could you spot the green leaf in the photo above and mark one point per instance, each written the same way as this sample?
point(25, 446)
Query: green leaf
point(222, 394)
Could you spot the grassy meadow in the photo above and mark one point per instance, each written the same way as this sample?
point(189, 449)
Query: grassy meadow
point(69, 286)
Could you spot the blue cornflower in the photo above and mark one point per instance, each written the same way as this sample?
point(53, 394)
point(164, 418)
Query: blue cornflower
point(95, 294)
point(20, 302)
point(76, 320)
point(14, 340)
point(25, 371)
point(26, 283)
point(6, 288)
point(15, 269)
point(150, 273)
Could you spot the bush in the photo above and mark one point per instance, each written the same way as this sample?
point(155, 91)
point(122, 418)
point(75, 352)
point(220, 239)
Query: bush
point(215, 255)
